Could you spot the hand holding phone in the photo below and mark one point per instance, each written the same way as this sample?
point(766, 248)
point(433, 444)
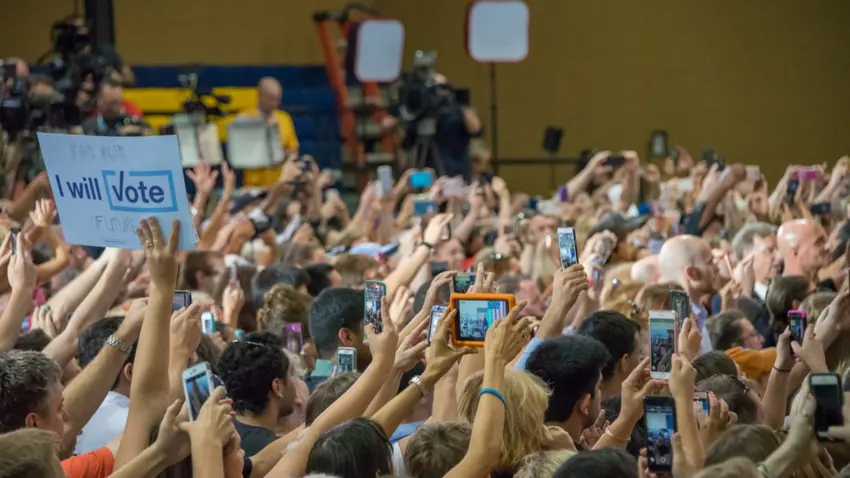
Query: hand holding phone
point(797, 323)
point(476, 313)
point(663, 333)
point(462, 281)
point(208, 323)
point(827, 390)
point(197, 387)
point(437, 312)
point(182, 300)
point(681, 304)
point(346, 359)
point(660, 415)
point(567, 247)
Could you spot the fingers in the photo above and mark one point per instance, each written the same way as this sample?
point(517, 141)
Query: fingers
point(445, 327)
point(144, 233)
point(600, 420)
point(156, 232)
point(172, 411)
point(174, 237)
point(217, 395)
point(810, 333)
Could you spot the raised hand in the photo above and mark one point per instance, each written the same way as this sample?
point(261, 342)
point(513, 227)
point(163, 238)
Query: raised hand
point(232, 301)
point(412, 347)
point(383, 345)
point(483, 281)
point(434, 232)
point(203, 177)
point(442, 355)
point(161, 256)
point(171, 441)
point(719, 418)
point(443, 279)
point(507, 337)
point(229, 179)
point(635, 388)
point(682, 378)
point(689, 339)
point(811, 352)
point(48, 320)
point(213, 421)
point(186, 328)
point(44, 214)
point(21, 271)
point(567, 285)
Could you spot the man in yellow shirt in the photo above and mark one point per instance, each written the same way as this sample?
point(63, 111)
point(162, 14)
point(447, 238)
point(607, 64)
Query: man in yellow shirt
point(269, 93)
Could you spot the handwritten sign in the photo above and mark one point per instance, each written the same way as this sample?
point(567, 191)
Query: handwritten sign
point(103, 187)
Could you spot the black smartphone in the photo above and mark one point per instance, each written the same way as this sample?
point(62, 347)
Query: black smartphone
point(658, 147)
point(681, 305)
point(463, 97)
point(438, 268)
point(660, 414)
point(13, 241)
point(797, 323)
point(567, 246)
point(182, 300)
point(615, 161)
point(826, 388)
point(462, 281)
point(372, 295)
point(820, 209)
point(791, 191)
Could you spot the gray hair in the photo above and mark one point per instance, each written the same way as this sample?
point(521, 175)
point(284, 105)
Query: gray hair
point(744, 239)
point(25, 377)
point(543, 464)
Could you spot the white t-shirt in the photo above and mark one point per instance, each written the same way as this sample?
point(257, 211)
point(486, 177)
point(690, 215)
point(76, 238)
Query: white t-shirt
point(107, 423)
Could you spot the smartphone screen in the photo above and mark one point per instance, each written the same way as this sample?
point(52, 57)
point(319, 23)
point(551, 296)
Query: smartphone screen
point(532, 204)
point(660, 425)
point(182, 299)
point(372, 294)
point(422, 206)
point(797, 324)
point(234, 277)
point(658, 144)
point(293, 338)
point(662, 343)
point(615, 161)
point(826, 388)
point(421, 180)
point(438, 268)
point(567, 246)
point(13, 241)
point(475, 316)
point(791, 191)
point(208, 323)
point(462, 281)
point(820, 209)
point(346, 360)
point(197, 387)
point(385, 180)
point(681, 304)
point(701, 399)
point(563, 194)
point(437, 312)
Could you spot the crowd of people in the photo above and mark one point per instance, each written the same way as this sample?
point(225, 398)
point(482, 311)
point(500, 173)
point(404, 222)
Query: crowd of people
point(92, 378)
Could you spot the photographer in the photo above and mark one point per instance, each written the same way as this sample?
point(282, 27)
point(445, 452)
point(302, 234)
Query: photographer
point(438, 125)
point(78, 44)
point(111, 117)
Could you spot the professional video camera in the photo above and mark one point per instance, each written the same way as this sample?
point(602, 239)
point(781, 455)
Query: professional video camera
point(420, 96)
point(199, 101)
point(21, 113)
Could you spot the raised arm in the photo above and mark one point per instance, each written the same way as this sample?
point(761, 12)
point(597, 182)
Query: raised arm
point(21, 272)
point(149, 390)
point(405, 273)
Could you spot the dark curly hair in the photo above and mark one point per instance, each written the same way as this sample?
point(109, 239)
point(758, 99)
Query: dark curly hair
point(248, 370)
point(94, 338)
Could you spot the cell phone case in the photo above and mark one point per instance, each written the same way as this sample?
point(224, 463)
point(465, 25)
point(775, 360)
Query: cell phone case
point(509, 298)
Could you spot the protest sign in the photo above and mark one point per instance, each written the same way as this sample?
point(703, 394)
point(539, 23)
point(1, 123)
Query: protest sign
point(103, 186)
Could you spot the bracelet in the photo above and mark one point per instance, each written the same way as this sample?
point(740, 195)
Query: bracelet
point(782, 370)
point(119, 345)
point(495, 393)
point(762, 468)
point(428, 245)
point(620, 439)
point(417, 381)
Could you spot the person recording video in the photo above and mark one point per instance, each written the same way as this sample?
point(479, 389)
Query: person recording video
point(111, 117)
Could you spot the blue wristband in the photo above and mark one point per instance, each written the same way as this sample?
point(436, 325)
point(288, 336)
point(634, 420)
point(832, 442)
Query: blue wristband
point(495, 393)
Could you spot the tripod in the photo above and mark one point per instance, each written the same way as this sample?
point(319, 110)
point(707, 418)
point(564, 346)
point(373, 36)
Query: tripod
point(424, 151)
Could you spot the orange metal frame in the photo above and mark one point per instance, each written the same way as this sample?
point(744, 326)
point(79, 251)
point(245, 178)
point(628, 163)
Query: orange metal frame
point(335, 67)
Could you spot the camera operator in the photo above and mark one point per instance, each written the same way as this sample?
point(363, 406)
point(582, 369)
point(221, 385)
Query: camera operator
point(429, 100)
point(104, 52)
point(111, 117)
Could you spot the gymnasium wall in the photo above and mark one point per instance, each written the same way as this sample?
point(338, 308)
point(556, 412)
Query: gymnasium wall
point(762, 82)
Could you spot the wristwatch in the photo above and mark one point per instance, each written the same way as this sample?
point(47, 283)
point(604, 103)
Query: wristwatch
point(417, 381)
point(119, 344)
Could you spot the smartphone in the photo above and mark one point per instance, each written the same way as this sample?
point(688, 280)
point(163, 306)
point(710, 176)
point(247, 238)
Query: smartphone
point(701, 399)
point(615, 161)
point(681, 305)
point(447, 232)
point(753, 173)
point(234, 277)
point(660, 414)
point(462, 281)
point(820, 209)
point(826, 388)
point(346, 359)
point(25, 325)
point(563, 194)
point(197, 387)
point(567, 246)
point(423, 205)
point(437, 312)
point(797, 322)
point(385, 180)
point(182, 299)
point(808, 174)
point(476, 314)
point(791, 191)
point(438, 268)
point(13, 241)
point(532, 203)
point(293, 338)
point(662, 343)
point(372, 295)
point(658, 147)
point(331, 195)
point(208, 323)
point(644, 209)
point(462, 96)
point(709, 156)
point(421, 180)
point(674, 154)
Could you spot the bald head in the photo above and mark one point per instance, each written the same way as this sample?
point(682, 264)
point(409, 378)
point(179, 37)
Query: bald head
point(270, 92)
point(687, 261)
point(645, 271)
point(802, 244)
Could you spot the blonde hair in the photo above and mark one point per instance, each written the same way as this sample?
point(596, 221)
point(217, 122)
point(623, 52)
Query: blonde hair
point(283, 305)
point(838, 354)
point(543, 464)
point(734, 468)
point(527, 398)
point(29, 452)
point(353, 268)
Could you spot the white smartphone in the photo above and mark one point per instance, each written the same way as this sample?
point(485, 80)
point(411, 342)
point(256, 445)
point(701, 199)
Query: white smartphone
point(208, 323)
point(197, 387)
point(567, 246)
point(385, 180)
point(753, 173)
point(346, 359)
point(662, 342)
point(437, 312)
